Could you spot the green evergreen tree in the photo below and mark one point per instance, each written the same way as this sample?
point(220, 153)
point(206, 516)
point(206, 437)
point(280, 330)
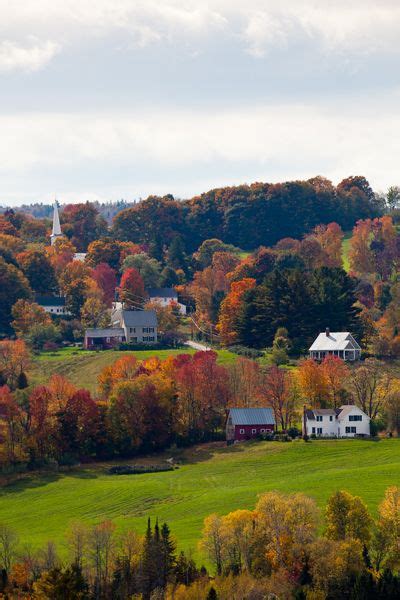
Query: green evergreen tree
point(168, 554)
point(212, 594)
point(124, 583)
point(280, 347)
point(176, 254)
point(185, 570)
point(169, 278)
point(22, 382)
point(148, 569)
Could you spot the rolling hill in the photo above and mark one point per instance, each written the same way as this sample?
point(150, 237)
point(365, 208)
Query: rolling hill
point(211, 478)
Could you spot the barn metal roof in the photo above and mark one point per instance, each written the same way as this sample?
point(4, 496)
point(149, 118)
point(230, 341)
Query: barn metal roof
point(252, 416)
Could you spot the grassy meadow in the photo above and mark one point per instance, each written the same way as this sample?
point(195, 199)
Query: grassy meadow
point(211, 478)
point(82, 367)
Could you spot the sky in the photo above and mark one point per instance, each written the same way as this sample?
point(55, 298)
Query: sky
point(111, 99)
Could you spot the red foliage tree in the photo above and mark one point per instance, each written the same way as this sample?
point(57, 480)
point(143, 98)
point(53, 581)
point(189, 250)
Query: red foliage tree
point(203, 393)
point(106, 279)
point(79, 423)
point(131, 290)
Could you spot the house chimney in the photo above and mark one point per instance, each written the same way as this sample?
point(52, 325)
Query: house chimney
point(327, 332)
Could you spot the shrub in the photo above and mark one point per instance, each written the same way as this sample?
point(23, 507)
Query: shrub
point(138, 469)
point(244, 351)
point(125, 346)
point(293, 432)
point(282, 437)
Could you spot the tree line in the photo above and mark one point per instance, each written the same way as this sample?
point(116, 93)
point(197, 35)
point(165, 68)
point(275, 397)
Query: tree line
point(145, 406)
point(248, 216)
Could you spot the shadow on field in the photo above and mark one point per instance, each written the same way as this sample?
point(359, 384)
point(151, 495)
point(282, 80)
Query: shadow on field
point(35, 480)
point(205, 452)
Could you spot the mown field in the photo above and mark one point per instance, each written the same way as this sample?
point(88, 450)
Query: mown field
point(212, 478)
point(82, 367)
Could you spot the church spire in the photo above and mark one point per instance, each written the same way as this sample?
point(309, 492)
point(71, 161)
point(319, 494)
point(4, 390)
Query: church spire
point(56, 232)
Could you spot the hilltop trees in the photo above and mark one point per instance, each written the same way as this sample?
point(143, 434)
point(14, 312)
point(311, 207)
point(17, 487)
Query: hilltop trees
point(246, 216)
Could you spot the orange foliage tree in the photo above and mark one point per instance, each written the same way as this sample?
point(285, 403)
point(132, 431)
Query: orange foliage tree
point(229, 309)
point(313, 384)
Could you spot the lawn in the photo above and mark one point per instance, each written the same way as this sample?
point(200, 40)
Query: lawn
point(82, 367)
point(212, 478)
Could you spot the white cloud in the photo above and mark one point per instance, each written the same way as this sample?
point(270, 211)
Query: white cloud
point(359, 26)
point(278, 141)
point(32, 57)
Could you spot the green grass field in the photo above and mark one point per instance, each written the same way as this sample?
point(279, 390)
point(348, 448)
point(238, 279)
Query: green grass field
point(82, 367)
point(345, 251)
point(212, 478)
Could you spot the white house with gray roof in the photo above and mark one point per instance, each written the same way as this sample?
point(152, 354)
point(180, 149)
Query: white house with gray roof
point(346, 421)
point(140, 326)
point(166, 297)
point(337, 343)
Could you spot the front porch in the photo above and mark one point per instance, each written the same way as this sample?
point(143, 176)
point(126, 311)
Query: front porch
point(346, 355)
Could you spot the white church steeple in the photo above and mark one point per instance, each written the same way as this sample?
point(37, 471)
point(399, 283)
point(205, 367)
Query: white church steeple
point(56, 232)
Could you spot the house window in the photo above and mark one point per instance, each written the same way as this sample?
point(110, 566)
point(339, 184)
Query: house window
point(132, 329)
point(262, 430)
point(330, 417)
point(355, 417)
point(313, 430)
point(254, 431)
point(148, 329)
point(319, 418)
point(319, 430)
point(241, 430)
point(351, 429)
point(108, 340)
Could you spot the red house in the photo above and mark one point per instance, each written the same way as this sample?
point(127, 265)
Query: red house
point(247, 423)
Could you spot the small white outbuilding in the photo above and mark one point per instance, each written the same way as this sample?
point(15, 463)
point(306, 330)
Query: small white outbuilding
point(337, 343)
point(346, 421)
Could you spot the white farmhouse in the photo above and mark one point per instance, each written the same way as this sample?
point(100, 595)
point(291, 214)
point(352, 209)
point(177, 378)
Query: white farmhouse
point(166, 297)
point(346, 421)
point(338, 343)
point(53, 304)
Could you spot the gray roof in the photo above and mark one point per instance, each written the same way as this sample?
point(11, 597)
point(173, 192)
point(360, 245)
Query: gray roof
point(162, 293)
point(100, 332)
point(311, 414)
point(50, 300)
point(338, 413)
point(136, 318)
point(252, 416)
point(336, 340)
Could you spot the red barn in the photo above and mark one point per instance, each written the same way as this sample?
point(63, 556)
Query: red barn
point(247, 423)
